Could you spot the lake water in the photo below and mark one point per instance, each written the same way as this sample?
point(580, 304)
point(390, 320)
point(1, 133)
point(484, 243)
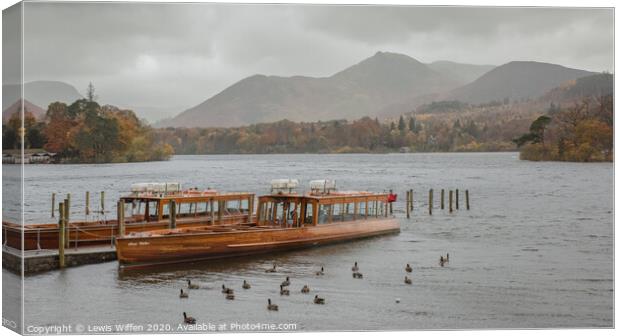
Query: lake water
point(534, 251)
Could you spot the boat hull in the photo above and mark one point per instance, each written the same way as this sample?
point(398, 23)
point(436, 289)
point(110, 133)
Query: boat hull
point(185, 247)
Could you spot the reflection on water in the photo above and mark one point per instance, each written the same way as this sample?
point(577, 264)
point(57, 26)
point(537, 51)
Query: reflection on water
point(535, 250)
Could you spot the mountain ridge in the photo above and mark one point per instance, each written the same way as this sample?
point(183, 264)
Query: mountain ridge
point(358, 90)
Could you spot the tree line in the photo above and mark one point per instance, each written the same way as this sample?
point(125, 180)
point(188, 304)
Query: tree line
point(582, 132)
point(365, 135)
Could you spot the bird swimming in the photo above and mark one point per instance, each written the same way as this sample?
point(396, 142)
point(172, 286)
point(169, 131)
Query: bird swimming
point(271, 270)
point(319, 300)
point(190, 285)
point(408, 268)
point(355, 268)
point(183, 294)
point(305, 289)
point(357, 275)
point(188, 319)
point(271, 306)
point(284, 291)
point(226, 290)
point(321, 272)
point(286, 282)
point(246, 285)
point(407, 280)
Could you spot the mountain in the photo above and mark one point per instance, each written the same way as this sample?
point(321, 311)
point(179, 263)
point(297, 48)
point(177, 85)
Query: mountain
point(37, 111)
point(601, 84)
point(515, 80)
point(363, 89)
point(40, 93)
point(464, 73)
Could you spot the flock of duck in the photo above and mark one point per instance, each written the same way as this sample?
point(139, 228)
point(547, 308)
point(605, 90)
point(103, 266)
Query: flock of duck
point(229, 293)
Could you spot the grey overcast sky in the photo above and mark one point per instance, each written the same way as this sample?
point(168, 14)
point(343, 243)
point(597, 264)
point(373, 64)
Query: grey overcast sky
point(163, 58)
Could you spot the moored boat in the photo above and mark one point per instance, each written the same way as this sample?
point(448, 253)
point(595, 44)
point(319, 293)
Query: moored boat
point(148, 208)
point(285, 220)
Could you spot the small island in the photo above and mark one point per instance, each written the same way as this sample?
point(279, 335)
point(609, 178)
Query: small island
point(85, 132)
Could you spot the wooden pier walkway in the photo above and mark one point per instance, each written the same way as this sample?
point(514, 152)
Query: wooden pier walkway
point(36, 261)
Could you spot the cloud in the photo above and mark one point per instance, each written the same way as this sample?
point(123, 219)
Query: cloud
point(162, 58)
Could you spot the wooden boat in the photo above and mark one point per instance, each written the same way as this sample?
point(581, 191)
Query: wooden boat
point(148, 210)
point(284, 221)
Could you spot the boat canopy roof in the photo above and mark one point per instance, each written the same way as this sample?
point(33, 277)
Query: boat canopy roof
point(191, 195)
point(331, 197)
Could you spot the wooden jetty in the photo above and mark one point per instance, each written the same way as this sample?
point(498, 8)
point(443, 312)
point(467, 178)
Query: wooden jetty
point(34, 261)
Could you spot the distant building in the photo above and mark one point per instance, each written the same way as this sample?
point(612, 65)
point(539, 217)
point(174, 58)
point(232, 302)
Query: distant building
point(30, 158)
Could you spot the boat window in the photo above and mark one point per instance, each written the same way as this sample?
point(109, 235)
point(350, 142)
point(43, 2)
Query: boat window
point(349, 211)
point(199, 208)
point(152, 209)
point(361, 210)
point(309, 212)
point(324, 213)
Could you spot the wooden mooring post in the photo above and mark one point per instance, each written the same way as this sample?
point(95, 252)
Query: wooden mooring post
point(53, 204)
point(467, 198)
point(61, 235)
point(457, 199)
point(390, 203)
point(430, 202)
point(173, 214)
point(68, 205)
point(411, 199)
point(67, 219)
point(120, 218)
point(87, 204)
point(442, 197)
point(407, 204)
point(102, 202)
point(450, 200)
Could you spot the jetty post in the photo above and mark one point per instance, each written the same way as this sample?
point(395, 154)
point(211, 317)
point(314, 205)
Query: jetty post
point(442, 197)
point(53, 204)
point(68, 205)
point(390, 203)
point(430, 201)
point(102, 202)
point(87, 206)
point(407, 204)
point(411, 199)
point(173, 214)
point(61, 235)
point(450, 200)
point(457, 199)
point(120, 217)
point(467, 198)
point(67, 218)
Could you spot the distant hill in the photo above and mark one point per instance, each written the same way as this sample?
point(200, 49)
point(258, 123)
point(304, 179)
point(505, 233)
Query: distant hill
point(39, 93)
point(37, 111)
point(464, 73)
point(515, 80)
point(363, 89)
point(595, 85)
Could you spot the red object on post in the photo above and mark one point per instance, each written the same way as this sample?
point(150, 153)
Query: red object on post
point(392, 198)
